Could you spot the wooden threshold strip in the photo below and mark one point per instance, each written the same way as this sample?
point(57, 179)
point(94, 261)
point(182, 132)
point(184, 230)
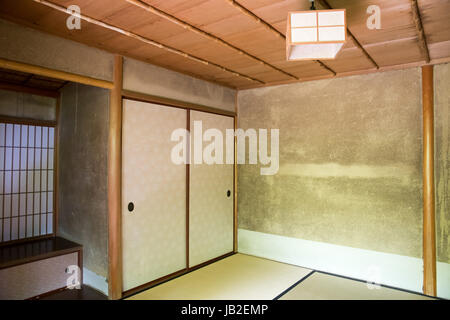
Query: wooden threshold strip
point(137, 96)
point(28, 121)
point(147, 40)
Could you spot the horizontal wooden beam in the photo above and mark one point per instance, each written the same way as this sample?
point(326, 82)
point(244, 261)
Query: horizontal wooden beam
point(323, 65)
point(355, 73)
point(270, 28)
point(326, 5)
point(420, 32)
point(147, 41)
point(31, 122)
point(203, 33)
point(30, 76)
point(126, 94)
point(61, 75)
point(29, 90)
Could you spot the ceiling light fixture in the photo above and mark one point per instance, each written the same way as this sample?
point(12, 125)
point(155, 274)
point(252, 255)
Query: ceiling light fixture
point(315, 34)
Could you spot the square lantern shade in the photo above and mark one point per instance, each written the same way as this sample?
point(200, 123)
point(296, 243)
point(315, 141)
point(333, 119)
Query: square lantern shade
point(316, 34)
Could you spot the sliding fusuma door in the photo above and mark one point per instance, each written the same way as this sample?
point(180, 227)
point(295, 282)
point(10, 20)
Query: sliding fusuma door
point(153, 194)
point(162, 232)
point(210, 189)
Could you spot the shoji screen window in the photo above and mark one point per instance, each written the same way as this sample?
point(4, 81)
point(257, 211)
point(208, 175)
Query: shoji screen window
point(26, 181)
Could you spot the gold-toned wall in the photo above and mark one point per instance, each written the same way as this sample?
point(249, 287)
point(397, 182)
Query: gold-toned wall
point(350, 162)
point(82, 172)
point(442, 158)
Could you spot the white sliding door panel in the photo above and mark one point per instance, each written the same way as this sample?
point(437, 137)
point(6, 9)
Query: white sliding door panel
point(210, 207)
point(154, 233)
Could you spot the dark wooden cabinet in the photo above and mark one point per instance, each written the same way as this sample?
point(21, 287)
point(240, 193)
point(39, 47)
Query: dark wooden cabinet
point(32, 269)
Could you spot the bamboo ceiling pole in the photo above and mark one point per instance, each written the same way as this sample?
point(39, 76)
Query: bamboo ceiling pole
point(210, 36)
point(326, 5)
point(146, 40)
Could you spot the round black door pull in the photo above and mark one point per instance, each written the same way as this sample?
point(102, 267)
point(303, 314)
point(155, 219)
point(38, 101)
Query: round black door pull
point(228, 193)
point(131, 206)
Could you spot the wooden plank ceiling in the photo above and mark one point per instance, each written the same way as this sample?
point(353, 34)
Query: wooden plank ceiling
point(241, 43)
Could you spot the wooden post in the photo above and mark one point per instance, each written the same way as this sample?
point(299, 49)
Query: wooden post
point(429, 236)
point(115, 183)
point(235, 193)
point(188, 183)
point(235, 177)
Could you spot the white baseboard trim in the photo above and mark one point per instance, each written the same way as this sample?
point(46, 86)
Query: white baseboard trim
point(443, 279)
point(95, 281)
point(384, 268)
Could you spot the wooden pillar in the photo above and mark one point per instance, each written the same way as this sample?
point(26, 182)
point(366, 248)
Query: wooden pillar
point(429, 235)
point(235, 179)
point(235, 193)
point(115, 183)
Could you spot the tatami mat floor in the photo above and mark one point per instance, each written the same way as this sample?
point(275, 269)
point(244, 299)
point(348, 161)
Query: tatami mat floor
point(234, 278)
point(321, 286)
point(244, 277)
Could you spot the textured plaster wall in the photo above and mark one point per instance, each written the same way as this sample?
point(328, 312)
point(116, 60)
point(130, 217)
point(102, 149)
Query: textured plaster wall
point(83, 210)
point(146, 78)
point(22, 44)
point(350, 162)
point(442, 160)
point(23, 105)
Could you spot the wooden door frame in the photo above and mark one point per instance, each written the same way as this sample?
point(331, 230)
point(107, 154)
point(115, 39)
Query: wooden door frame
point(115, 218)
point(16, 66)
point(71, 77)
point(48, 124)
point(56, 74)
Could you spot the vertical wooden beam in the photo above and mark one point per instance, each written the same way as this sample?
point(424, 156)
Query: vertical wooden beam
point(188, 183)
point(56, 137)
point(429, 236)
point(235, 180)
point(115, 183)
